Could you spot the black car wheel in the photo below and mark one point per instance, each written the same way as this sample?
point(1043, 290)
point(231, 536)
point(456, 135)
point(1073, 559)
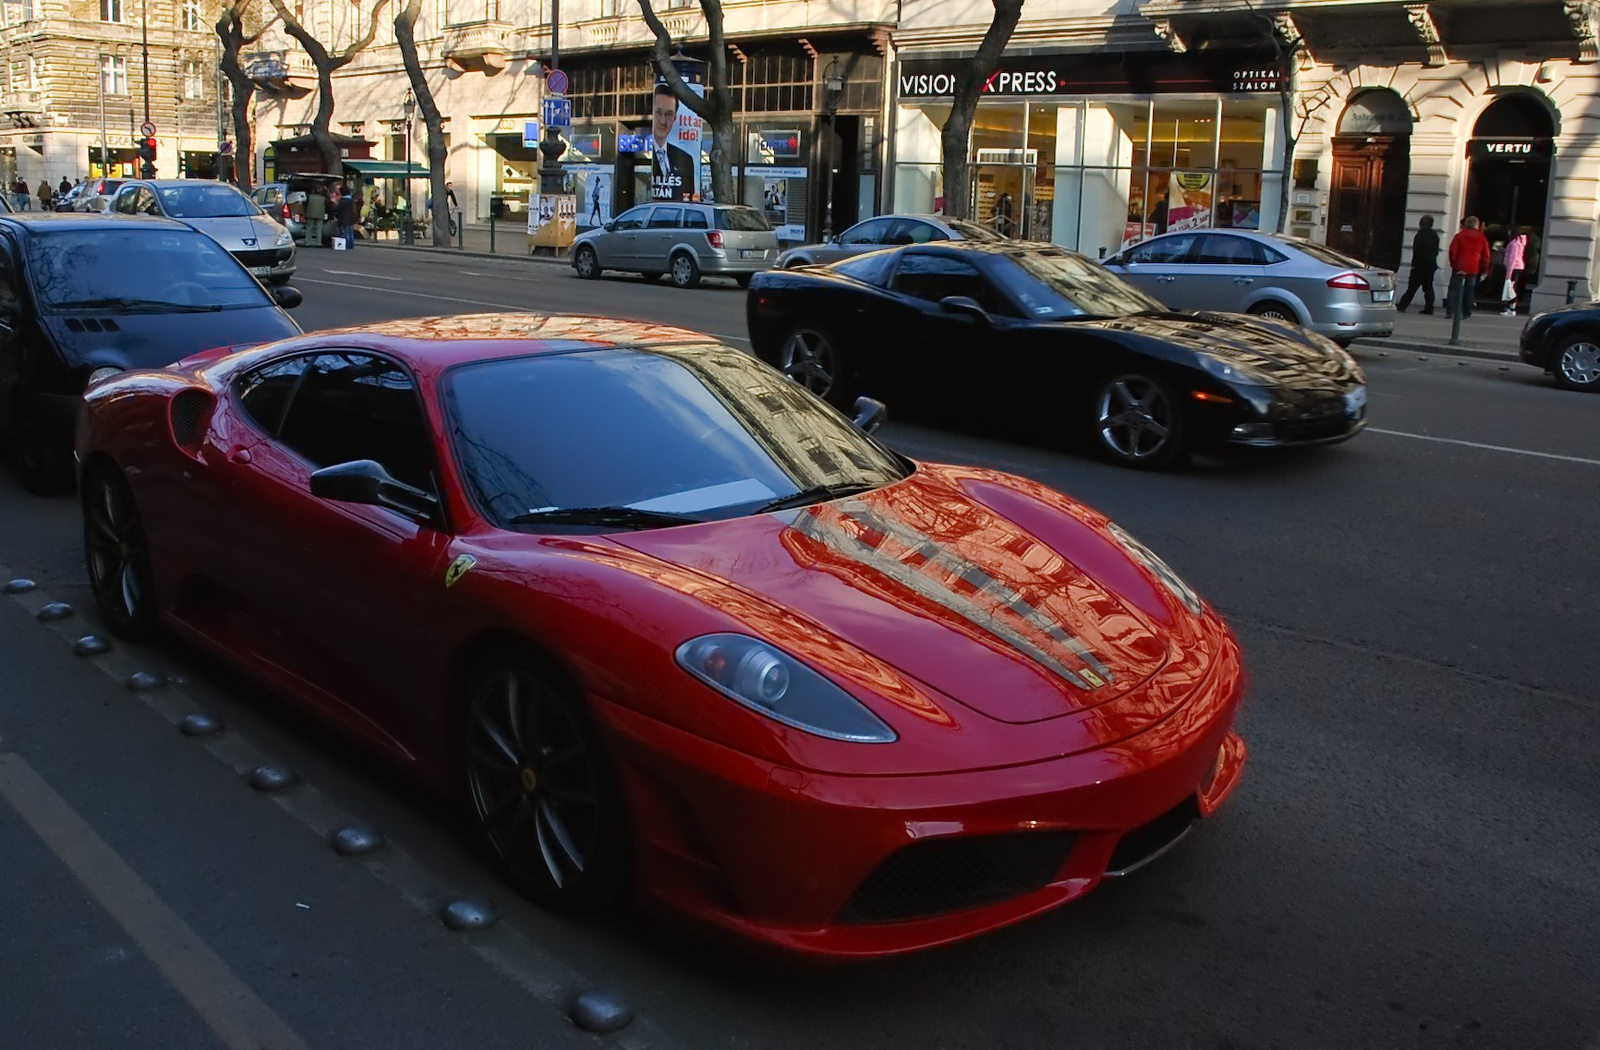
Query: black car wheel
point(118, 554)
point(685, 271)
point(1275, 311)
point(1577, 364)
point(810, 356)
point(42, 459)
point(1139, 422)
point(586, 263)
point(541, 788)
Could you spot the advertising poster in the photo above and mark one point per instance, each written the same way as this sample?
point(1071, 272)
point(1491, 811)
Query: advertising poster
point(591, 186)
point(552, 220)
point(676, 144)
point(1189, 201)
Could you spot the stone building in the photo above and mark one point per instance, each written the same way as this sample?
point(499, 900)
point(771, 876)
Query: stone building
point(75, 82)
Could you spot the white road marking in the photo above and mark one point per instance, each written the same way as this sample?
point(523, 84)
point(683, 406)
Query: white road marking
point(358, 273)
point(1490, 448)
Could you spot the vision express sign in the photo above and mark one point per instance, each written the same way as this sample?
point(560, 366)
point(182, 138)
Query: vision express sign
point(1146, 72)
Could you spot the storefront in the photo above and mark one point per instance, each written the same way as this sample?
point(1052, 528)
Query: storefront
point(1097, 151)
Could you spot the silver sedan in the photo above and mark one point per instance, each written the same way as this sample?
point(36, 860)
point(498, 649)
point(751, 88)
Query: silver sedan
point(1287, 278)
point(886, 231)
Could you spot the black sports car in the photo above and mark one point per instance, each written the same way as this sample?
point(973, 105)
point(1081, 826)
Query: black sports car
point(1043, 329)
point(1566, 343)
point(82, 296)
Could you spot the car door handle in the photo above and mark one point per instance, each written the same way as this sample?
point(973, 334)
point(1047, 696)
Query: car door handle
point(1244, 280)
point(1166, 280)
point(239, 455)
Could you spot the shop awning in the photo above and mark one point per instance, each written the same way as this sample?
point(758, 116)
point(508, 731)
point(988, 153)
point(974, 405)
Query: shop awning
point(386, 169)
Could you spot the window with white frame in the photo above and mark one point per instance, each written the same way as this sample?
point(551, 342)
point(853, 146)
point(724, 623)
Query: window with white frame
point(608, 8)
point(110, 10)
point(191, 15)
point(17, 12)
point(113, 74)
point(194, 83)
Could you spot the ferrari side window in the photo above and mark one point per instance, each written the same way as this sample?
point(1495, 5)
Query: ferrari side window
point(354, 406)
point(264, 393)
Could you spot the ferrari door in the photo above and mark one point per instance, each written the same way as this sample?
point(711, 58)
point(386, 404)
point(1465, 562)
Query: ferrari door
point(339, 594)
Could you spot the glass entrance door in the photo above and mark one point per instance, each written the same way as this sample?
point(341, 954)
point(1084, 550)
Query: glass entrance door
point(1002, 198)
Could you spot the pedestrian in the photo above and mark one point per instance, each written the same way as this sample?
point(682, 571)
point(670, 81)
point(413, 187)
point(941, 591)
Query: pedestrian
point(1516, 254)
point(45, 202)
point(1424, 264)
point(21, 195)
point(65, 187)
point(347, 218)
point(1469, 263)
point(316, 216)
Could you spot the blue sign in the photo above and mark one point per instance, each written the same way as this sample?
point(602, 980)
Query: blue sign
point(558, 112)
point(530, 134)
point(633, 143)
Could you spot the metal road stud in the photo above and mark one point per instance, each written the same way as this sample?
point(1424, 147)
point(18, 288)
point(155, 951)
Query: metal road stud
point(601, 1012)
point(469, 914)
point(19, 586)
point(357, 840)
point(273, 777)
point(142, 681)
point(91, 645)
point(55, 611)
point(200, 725)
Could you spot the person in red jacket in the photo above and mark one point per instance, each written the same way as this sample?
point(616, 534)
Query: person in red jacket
point(1469, 262)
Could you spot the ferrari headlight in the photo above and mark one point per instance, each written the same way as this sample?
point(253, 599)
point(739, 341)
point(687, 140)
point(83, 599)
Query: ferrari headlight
point(285, 238)
point(1150, 560)
point(775, 684)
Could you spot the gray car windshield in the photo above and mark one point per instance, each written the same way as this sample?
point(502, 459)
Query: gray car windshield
point(136, 268)
point(971, 231)
point(642, 438)
point(205, 202)
point(1061, 284)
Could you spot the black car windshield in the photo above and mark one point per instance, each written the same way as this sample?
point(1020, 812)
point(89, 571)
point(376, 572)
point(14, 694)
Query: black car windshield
point(205, 202)
point(642, 438)
point(138, 267)
point(746, 220)
point(1063, 285)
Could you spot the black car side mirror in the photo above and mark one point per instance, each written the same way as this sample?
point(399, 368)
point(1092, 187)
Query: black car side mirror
point(870, 414)
point(965, 305)
point(365, 481)
point(287, 297)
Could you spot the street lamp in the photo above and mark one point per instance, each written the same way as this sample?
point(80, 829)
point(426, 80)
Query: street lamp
point(408, 233)
point(832, 87)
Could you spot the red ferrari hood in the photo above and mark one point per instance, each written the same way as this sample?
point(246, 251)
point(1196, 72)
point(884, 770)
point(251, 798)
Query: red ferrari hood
point(943, 588)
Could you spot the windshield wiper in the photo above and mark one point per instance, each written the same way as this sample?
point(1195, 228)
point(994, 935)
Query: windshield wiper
point(816, 494)
point(138, 305)
point(622, 517)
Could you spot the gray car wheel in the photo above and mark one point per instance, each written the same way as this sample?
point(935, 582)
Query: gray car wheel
point(1577, 364)
point(685, 271)
point(1138, 421)
point(586, 263)
point(1275, 311)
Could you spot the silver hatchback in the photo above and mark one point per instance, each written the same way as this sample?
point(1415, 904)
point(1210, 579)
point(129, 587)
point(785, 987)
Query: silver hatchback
point(1241, 271)
point(685, 241)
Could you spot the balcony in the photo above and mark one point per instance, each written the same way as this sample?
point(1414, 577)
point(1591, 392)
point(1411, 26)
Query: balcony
point(479, 47)
point(281, 74)
point(22, 109)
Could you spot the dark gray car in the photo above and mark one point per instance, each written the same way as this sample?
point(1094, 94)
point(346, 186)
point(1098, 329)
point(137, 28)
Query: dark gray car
point(886, 231)
point(683, 240)
point(1242, 271)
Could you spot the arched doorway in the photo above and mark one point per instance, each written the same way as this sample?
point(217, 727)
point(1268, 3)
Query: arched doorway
point(1371, 164)
point(1508, 179)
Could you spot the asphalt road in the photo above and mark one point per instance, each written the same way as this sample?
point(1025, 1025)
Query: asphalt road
point(1410, 861)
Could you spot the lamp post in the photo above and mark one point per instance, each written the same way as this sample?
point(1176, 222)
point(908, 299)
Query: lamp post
point(832, 86)
point(147, 169)
point(408, 234)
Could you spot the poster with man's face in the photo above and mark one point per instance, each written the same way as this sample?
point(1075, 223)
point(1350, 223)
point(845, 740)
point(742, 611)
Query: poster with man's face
point(674, 147)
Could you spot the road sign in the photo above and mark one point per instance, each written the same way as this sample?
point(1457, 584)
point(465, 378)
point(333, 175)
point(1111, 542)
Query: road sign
point(558, 112)
point(530, 134)
point(555, 82)
point(147, 129)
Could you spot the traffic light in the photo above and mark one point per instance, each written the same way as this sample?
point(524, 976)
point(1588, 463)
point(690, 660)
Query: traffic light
point(147, 148)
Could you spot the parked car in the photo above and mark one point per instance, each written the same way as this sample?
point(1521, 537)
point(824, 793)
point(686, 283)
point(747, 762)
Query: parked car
point(285, 201)
point(666, 622)
point(685, 241)
point(97, 195)
point(1285, 278)
point(1565, 342)
point(82, 296)
point(67, 201)
point(887, 231)
point(223, 213)
point(1052, 335)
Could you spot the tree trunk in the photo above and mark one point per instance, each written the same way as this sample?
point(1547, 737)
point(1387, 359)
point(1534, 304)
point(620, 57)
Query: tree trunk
point(405, 24)
point(1290, 141)
point(230, 31)
point(970, 80)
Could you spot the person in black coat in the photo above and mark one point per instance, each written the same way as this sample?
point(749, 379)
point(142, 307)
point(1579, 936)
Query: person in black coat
point(1424, 262)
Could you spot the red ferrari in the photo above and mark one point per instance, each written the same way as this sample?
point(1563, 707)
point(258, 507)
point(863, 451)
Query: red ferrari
point(671, 624)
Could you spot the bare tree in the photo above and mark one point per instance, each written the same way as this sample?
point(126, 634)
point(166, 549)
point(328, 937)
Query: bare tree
point(231, 31)
point(326, 64)
point(716, 107)
point(405, 24)
point(971, 77)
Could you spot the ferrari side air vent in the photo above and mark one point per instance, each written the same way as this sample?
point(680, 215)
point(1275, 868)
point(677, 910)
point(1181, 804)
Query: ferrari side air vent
point(74, 325)
point(187, 413)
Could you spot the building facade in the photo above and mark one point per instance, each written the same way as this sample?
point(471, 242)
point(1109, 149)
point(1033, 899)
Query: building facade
point(76, 82)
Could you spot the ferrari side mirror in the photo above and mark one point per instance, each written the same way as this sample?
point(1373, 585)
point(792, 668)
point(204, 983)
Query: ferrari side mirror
point(870, 414)
point(365, 481)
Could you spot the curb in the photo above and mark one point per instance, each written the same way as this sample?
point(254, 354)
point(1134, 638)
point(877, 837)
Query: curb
point(1441, 349)
point(467, 253)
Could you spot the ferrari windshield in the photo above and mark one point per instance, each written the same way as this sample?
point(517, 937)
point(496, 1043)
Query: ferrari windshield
point(1063, 285)
point(205, 202)
point(649, 437)
point(137, 267)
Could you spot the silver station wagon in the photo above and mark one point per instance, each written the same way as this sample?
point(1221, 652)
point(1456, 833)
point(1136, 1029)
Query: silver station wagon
point(684, 241)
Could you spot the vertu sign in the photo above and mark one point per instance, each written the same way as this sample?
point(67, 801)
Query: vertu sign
point(1509, 149)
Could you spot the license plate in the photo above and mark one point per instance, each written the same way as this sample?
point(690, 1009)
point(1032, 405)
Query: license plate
point(752, 253)
point(260, 271)
point(1383, 297)
point(1355, 401)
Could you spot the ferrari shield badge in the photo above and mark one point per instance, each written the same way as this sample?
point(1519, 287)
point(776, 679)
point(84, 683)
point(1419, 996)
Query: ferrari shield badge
point(459, 568)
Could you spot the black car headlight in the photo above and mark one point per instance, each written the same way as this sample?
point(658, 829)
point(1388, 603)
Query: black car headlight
point(773, 683)
point(1232, 372)
point(1150, 560)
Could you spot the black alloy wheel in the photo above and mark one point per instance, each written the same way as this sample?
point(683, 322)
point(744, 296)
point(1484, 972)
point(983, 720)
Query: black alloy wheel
point(809, 355)
point(586, 263)
point(118, 553)
point(43, 463)
point(685, 271)
point(1577, 363)
point(1138, 421)
point(541, 788)
point(1275, 311)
